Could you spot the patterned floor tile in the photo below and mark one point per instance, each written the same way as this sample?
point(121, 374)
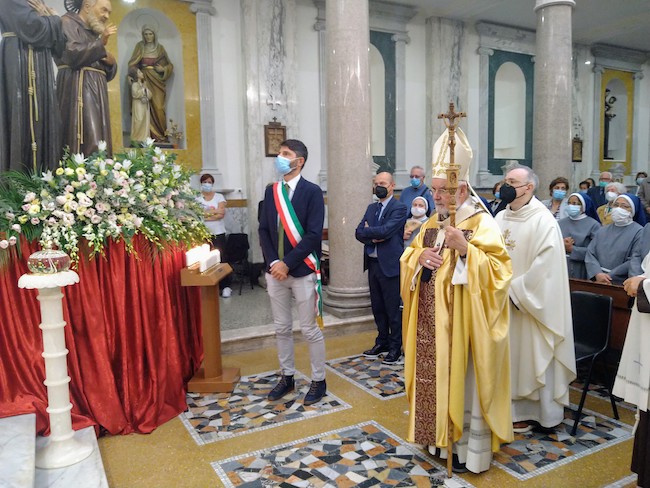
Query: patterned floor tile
point(215, 417)
point(382, 381)
point(362, 455)
point(534, 453)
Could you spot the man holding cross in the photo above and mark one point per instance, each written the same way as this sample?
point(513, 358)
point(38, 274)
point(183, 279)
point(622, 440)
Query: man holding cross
point(291, 230)
point(469, 381)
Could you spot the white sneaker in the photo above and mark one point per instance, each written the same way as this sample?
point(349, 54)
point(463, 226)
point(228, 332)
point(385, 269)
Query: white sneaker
point(226, 292)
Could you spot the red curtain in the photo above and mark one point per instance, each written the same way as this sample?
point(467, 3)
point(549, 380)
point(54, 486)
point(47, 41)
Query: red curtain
point(133, 334)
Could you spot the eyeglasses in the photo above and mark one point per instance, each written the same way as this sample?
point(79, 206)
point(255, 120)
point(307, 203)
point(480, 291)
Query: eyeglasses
point(624, 206)
point(439, 191)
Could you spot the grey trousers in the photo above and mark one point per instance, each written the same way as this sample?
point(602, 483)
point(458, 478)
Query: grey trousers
point(303, 291)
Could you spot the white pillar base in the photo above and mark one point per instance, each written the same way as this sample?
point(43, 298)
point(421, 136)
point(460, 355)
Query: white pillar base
point(61, 453)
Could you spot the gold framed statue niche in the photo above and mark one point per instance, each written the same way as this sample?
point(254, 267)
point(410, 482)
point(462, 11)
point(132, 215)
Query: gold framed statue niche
point(274, 134)
point(175, 24)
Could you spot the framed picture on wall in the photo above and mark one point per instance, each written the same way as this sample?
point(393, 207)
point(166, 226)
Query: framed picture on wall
point(576, 150)
point(274, 134)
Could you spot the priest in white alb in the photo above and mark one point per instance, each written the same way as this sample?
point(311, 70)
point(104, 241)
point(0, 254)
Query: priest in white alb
point(541, 331)
point(476, 396)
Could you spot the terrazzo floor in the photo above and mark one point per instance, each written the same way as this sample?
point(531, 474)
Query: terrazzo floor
point(316, 448)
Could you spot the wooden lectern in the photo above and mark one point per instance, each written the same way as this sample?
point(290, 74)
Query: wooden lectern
point(212, 377)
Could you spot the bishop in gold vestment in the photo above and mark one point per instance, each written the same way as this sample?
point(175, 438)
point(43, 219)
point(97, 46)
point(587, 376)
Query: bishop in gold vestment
point(478, 402)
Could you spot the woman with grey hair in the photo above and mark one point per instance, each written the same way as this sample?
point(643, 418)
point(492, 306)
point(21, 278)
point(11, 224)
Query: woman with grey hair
point(612, 191)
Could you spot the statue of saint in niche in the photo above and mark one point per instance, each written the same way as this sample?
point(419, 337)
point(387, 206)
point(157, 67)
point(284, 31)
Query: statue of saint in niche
point(140, 106)
point(151, 58)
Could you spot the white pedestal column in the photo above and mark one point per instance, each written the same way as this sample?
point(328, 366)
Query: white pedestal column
point(62, 449)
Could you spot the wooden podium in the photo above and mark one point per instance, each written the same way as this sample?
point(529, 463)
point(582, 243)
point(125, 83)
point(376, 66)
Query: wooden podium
point(212, 377)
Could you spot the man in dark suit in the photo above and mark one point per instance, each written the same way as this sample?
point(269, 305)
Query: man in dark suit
point(288, 269)
point(597, 193)
point(382, 233)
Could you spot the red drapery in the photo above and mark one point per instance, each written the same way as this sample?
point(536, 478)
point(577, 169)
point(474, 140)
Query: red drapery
point(133, 334)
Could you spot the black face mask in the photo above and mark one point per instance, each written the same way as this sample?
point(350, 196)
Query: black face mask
point(381, 192)
point(508, 193)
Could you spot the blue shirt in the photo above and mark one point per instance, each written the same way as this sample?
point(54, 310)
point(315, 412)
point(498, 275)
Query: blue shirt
point(409, 193)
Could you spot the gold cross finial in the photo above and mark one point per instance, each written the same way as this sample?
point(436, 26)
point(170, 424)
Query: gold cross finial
point(451, 116)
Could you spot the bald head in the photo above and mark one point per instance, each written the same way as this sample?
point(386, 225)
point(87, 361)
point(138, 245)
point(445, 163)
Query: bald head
point(384, 179)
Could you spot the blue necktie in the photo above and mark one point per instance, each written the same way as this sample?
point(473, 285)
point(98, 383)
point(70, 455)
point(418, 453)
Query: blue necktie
point(378, 212)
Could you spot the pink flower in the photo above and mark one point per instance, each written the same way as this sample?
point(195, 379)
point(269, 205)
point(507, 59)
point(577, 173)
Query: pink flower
point(95, 219)
point(26, 207)
point(15, 227)
point(12, 241)
point(4, 244)
point(35, 220)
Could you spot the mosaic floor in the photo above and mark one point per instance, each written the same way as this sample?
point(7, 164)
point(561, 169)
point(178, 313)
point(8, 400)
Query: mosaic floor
point(382, 381)
point(534, 453)
point(214, 417)
point(361, 455)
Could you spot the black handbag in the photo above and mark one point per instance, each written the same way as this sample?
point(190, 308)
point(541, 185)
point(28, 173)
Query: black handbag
point(642, 303)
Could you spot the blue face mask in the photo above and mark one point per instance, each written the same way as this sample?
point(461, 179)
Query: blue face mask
point(497, 195)
point(206, 187)
point(559, 194)
point(415, 182)
point(282, 165)
point(573, 210)
point(640, 180)
point(603, 184)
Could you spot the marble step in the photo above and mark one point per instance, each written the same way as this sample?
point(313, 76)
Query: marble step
point(17, 451)
point(88, 473)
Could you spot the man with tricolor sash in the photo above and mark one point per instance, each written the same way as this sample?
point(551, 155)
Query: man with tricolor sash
point(291, 229)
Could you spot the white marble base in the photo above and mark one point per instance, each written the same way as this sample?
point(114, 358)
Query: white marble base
point(88, 473)
point(17, 448)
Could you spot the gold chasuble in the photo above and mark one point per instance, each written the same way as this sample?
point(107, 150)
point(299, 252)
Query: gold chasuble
point(480, 331)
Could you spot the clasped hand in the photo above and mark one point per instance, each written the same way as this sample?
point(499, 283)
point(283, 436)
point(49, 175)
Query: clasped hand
point(631, 285)
point(279, 270)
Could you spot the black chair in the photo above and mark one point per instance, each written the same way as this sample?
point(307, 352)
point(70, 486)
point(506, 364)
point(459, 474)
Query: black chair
point(592, 319)
point(236, 254)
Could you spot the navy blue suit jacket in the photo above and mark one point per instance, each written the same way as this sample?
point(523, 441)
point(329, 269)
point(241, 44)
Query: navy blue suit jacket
point(597, 195)
point(309, 206)
point(390, 228)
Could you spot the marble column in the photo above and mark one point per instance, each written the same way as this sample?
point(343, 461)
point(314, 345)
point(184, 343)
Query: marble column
point(402, 166)
point(483, 178)
point(269, 53)
point(446, 79)
point(349, 158)
point(553, 84)
point(204, 11)
point(598, 71)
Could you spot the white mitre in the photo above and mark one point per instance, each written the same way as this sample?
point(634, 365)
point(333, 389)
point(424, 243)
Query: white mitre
point(462, 155)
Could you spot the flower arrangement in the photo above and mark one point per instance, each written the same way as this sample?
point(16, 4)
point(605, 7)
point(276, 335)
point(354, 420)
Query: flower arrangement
point(98, 198)
point(173, 133)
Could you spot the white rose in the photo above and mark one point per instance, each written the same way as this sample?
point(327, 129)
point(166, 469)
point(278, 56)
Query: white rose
point(4, 244)
point(15, 227)
point(29, 197)
point(101, 145)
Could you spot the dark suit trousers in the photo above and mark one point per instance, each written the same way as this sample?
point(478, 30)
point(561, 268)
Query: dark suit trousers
point(385, 302)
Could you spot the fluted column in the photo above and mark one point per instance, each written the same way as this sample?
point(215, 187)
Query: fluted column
point(402, 166)
point(204, 11)
point(484, 177)
point(553, 83)
point(349, 158)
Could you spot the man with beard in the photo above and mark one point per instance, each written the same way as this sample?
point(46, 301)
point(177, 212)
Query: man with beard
point(30, 134)
point(85, 68)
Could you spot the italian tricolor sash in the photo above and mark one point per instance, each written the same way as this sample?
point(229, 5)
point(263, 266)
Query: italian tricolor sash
point(294, 231)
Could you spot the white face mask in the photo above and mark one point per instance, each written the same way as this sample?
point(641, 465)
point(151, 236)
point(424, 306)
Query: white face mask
point(611, 196)
point(621, 217)
point(417, 211)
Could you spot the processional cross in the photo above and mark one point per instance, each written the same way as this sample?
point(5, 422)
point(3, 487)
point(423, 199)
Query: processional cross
point(451, 122)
